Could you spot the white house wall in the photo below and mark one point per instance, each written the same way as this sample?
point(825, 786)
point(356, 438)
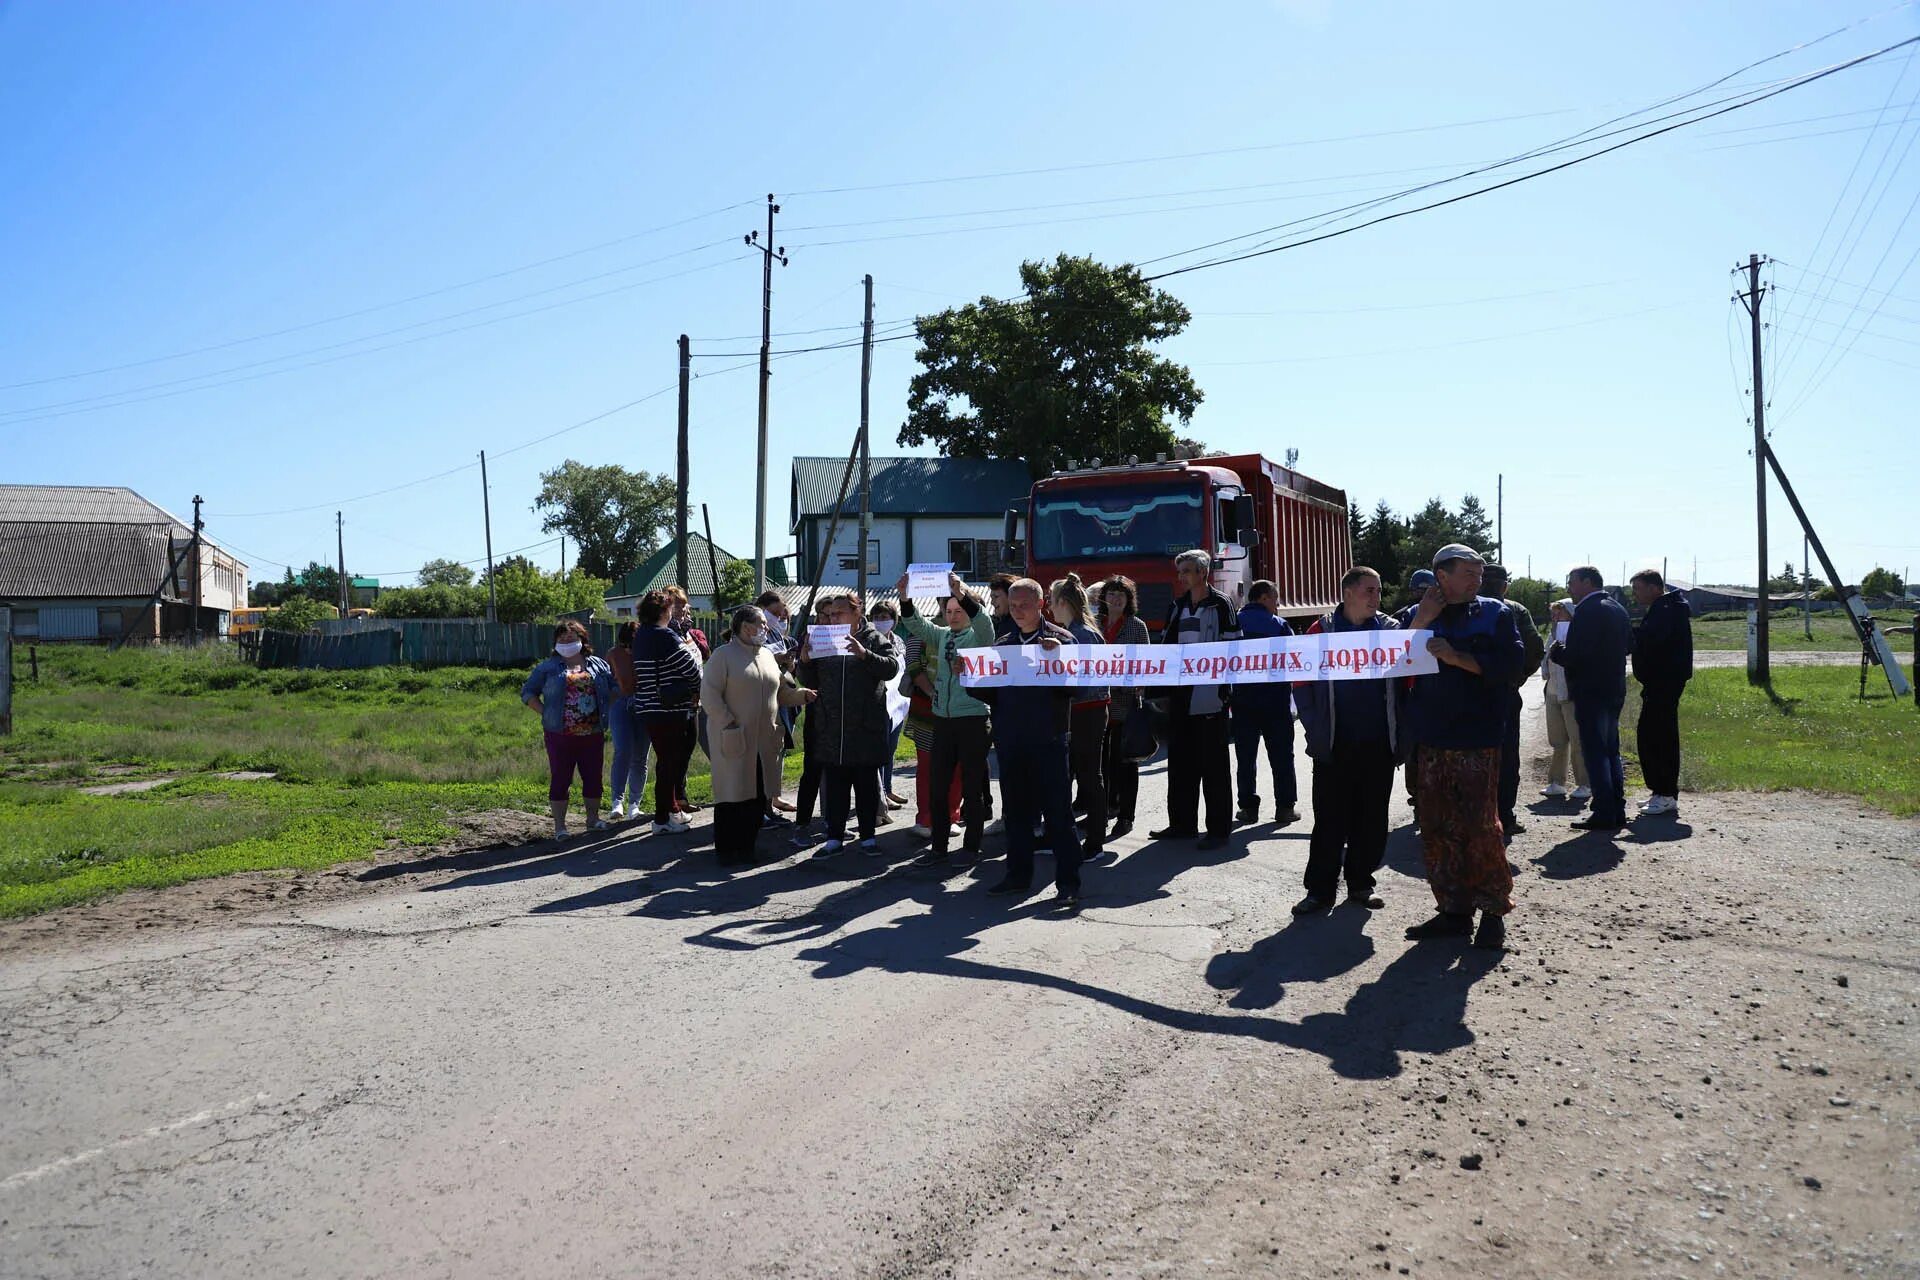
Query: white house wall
point(930, 537)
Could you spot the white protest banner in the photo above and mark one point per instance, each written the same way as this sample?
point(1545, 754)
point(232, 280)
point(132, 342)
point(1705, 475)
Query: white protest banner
point(826, 640)
point(1351, 655)
point(928, 581)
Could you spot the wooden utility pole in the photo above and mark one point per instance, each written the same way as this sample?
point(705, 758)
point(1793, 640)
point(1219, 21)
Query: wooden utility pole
point(340, 536)
point(1759, 665)
point(866, 450)
point(193, 629)
point(769, 253)
point(486, 513)
point(1500, 518)
point(563, 557)
point(680, 498)
point(6, 670)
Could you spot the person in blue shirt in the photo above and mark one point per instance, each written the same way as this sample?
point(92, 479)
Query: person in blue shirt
point(1458, 716)
point(1594, 654)
point(573, 692)
point(1264, 713)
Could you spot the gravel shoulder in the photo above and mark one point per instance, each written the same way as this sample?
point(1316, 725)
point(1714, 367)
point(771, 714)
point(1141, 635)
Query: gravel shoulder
point(1695, 1059)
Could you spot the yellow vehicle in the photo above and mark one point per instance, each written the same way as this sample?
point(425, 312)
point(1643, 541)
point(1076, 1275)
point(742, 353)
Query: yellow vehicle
point(359, 613)
point(241, 621)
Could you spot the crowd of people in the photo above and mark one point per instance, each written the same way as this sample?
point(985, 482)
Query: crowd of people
point(1064, 761)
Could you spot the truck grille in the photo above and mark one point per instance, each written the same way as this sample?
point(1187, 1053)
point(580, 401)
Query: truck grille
point(1155, 599)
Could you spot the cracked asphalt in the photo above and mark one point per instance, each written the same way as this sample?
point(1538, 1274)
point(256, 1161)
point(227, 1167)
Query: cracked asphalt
point(1696, 1058)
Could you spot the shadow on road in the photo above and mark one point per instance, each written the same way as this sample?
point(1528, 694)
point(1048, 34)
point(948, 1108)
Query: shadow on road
point(1591, 853)
point(1311, 949)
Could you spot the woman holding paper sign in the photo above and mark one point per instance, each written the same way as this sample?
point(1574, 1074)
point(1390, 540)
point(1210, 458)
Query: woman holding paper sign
point(954, 767)
point(854, 724)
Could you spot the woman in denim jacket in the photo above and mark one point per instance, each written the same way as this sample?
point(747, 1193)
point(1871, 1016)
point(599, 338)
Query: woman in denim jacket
point(574, 693)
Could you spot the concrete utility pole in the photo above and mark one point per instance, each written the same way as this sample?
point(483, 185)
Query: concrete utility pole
point(866, 450)
point(1759, 665)
point(486, 513)
point(199, 595)
point(769, 254)
point(680, 498)
point(1500, 518)
point(1806, 586)
point(340, 537)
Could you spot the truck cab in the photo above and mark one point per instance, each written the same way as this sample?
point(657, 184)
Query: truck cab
point(1254, 517)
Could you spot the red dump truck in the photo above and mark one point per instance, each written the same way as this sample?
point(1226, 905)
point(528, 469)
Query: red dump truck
point(1256, 517)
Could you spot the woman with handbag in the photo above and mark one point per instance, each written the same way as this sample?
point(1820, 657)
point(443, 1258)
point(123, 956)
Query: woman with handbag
point(742, 689)
point(1129, 740)
point(666, 681)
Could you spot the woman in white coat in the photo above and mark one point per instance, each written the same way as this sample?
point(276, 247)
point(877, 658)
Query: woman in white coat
point(742, 692)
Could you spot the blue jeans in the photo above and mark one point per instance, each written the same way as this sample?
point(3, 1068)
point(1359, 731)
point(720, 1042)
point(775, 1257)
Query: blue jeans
point(630, 747)
point(1599, 723)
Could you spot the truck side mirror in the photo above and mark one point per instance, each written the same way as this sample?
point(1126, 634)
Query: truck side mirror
point(1243, 518)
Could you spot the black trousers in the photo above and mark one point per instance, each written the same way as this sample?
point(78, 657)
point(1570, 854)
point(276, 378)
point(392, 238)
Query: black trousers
point(1036, 789)
point(1121, 775)
point(1351, 787)
point(809, 793)
point(1085, 746)
point(1658, 737)
point(1197, 762)
point(958, 743)
point(1510, 758)
point(864, 781)
point(1253, 725)
point(736, 823)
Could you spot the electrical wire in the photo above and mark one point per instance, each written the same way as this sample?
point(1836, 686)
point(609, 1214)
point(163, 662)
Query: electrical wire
point(1788, 86)
point(378, 307)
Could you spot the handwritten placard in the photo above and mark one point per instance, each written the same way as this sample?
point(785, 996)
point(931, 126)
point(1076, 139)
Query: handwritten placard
point(828, 639)
point(928, 580)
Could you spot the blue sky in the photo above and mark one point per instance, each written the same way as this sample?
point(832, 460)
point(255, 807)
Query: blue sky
point(303, 253)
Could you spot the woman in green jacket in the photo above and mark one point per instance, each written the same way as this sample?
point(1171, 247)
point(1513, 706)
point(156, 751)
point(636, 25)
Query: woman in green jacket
point(959, 718)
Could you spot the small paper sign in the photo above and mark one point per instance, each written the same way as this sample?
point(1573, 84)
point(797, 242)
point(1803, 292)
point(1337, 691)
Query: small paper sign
point(828, 639)
point(926, 581)
point(1560, 632)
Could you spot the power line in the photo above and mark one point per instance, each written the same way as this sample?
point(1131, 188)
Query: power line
point(1795, 83)
point(378, 307)
point(1442, 346)
point(116, 399)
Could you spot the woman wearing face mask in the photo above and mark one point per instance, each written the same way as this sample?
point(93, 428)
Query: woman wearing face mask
point(742, 690)
point(574, 692)
point(680, 622)
point(885, 618)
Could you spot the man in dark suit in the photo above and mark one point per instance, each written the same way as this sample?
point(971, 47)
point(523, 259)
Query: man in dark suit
point(1595, 652)
point(1662, 663)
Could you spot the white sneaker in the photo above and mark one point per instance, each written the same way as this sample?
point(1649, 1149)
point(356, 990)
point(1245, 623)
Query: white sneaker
point(1582, 793)
point(676, 823)
point(1554, 791)
point(662, 828)
point(1660, 804)
point(617, 814)
point(923, 833)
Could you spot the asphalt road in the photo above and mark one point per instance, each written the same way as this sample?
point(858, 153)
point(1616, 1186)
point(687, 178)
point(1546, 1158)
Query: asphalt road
point(608, 1060)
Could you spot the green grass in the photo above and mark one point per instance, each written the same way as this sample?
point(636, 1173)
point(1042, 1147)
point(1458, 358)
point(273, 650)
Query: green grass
point(1814, 734)
point(364, 759)
point(1832, 633)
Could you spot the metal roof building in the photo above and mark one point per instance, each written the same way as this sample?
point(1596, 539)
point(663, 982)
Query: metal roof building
point(924, 510)
point(79, 562)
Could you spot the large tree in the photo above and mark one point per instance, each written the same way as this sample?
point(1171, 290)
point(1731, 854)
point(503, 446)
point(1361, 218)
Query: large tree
point(1880, 582)
point(615, 517)
point(444, 573)
point(1066, 371)
point(1376, 543)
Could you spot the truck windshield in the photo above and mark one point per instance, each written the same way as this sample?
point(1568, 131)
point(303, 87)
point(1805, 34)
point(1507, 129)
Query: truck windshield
point(1100, 522)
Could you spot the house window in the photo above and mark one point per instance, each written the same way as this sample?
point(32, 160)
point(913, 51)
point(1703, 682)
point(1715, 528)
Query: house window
point(850, 561)
point(26, 624)
point(110, 622)
point(960, 551)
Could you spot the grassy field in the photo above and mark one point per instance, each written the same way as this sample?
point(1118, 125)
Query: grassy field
point(362, 759)
point(1814, 734)
point(1832, 633)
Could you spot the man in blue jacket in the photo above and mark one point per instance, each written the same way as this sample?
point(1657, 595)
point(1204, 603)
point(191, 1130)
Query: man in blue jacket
point(1457, 717)
point(1030, 725)
point(1662, 663)
point(1264, 713)
point(1352, 734)
point(1594, 655)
